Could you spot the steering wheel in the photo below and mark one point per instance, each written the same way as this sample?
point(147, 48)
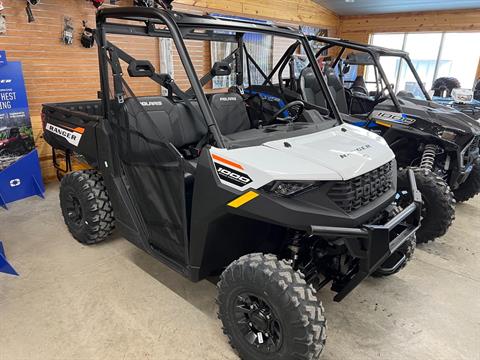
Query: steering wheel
point(298, 107)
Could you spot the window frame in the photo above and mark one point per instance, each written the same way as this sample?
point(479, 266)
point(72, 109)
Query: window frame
point(439, 54)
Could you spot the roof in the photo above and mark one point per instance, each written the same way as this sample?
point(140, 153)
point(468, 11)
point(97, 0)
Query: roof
point(183, 20)
point(376, 50)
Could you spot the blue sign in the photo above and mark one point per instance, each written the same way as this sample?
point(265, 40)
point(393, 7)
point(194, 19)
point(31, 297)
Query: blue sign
point(16, 138)
point(3, 57)
point(22, 179)
point(5, 267)
point(13, 95)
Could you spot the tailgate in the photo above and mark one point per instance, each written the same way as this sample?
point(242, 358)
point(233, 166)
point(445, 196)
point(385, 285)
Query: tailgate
point(67, 129)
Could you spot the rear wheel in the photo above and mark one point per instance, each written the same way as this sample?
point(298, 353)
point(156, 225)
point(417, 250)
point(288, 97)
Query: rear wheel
point(470, 187)
point(269, 312)
point(86, 207)
point(438, 210)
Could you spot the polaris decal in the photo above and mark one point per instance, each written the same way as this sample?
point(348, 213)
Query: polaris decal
point(228, 98)
point(151, 103)
point(232, 176)
point(391, 117)
point(73, 136)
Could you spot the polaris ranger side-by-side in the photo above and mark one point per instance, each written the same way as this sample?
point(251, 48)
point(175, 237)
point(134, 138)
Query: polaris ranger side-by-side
point(279, 201)
point(439, 144)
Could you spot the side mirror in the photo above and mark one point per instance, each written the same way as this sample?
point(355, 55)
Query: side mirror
point(221, 68)
point(141, 68)
point(346, 69)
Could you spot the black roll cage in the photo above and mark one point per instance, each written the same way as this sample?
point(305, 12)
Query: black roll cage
point(181, 26)
point(375, 52)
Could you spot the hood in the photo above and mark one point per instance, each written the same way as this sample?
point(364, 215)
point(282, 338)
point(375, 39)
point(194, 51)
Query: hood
point(339, 153)
point(443, 117)
point(347, 150)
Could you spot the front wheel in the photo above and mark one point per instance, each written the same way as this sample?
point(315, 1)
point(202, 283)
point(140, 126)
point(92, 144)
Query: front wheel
point(438, 210)
point(269, 312)
point(470, 187)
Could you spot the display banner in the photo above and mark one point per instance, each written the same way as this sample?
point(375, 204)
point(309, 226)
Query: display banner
point(16, 137)
point(3, 57)
point(5, 266)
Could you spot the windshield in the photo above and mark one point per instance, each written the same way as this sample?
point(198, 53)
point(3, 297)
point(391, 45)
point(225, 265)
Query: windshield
point(400, 75)
point(265, 66)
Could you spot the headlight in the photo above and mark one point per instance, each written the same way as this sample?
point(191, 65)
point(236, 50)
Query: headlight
point(447, 135)
point(288, 188)
point(462, 96)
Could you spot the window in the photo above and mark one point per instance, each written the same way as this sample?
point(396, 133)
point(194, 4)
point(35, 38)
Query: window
point(390, 65)
point(434, 55)
point(459, 57)
point(260, 46)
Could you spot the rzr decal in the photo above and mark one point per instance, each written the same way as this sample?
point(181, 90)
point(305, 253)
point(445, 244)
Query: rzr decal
point(73, 136)
point(232, 176)
point(391, 117)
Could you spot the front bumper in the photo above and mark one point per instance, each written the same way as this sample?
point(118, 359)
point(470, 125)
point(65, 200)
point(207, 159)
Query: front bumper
point(374, 244)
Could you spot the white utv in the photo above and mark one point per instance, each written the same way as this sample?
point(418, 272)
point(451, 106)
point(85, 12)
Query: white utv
point(278, 197)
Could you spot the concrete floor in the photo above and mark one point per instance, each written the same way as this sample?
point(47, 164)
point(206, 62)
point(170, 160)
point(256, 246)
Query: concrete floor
point(112, 301)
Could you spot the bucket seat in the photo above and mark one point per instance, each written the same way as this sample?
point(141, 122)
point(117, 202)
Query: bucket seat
point(230, 112)
point(359, 86)
point(313, 94)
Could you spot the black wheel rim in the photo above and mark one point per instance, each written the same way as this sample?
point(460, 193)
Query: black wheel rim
point(258, 323)
point(74, 210)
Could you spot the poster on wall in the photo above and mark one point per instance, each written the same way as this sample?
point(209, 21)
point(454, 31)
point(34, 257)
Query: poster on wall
point(20, 175)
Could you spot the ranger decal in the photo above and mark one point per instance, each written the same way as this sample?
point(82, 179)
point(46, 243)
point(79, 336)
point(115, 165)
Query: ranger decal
point(358, 149)
point(73, 136)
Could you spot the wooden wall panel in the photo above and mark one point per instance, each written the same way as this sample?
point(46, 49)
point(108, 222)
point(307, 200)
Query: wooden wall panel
point(55, 72)
point(360, 27)
point(296, 11)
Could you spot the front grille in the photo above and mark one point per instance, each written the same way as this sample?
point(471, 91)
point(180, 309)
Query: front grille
point(352, 194)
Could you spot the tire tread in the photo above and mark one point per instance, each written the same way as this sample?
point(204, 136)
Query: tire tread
point(100, 212)
point(303, 302)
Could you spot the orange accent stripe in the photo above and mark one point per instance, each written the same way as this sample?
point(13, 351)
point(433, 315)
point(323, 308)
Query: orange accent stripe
point(79, 130)
point(228, 162)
